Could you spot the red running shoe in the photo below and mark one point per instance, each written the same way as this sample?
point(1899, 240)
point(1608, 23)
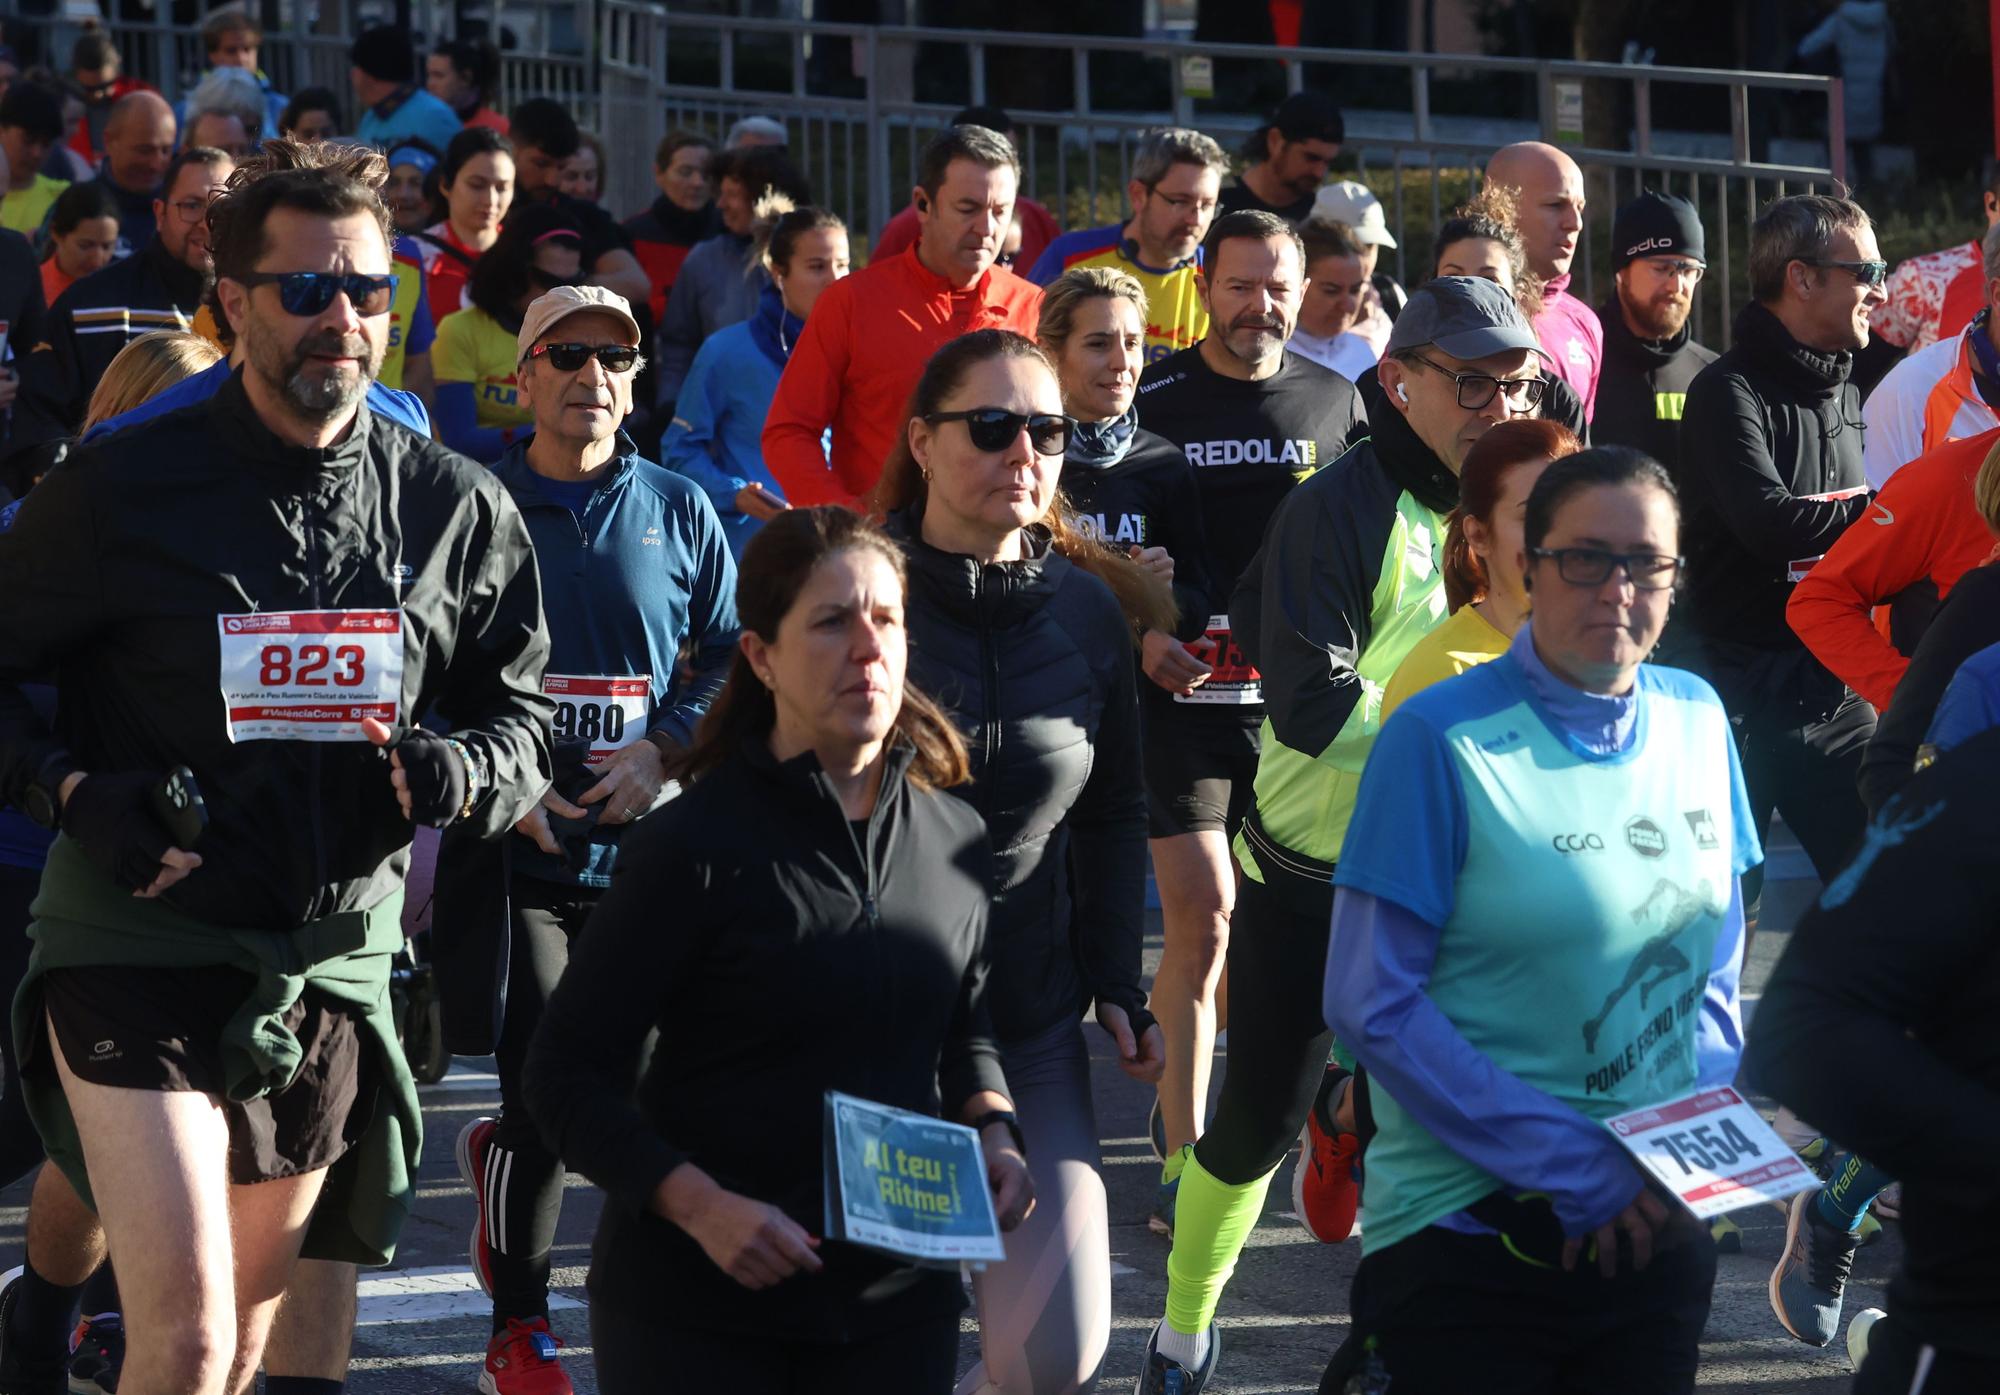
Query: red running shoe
point(475, 1150)
point(1324, 1193)
point(522, 1361)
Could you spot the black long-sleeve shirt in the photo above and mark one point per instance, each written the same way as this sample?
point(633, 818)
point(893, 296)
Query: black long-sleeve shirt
point(1900, 963)
point(1967, 621)
point(1033, 659)
point(779, 955)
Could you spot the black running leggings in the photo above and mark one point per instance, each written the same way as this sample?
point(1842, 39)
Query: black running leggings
point(649, 1360)
point(525, 1201)
point(1278, 1039)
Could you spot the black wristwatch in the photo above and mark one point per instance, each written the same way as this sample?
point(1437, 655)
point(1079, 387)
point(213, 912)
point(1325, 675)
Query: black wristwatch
point(42, 800)
point(1007, 1117)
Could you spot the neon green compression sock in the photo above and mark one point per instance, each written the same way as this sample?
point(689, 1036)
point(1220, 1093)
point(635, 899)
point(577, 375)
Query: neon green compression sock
point(1212, 1220)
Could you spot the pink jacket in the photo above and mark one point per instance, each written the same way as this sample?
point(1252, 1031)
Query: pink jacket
point(1570, 332)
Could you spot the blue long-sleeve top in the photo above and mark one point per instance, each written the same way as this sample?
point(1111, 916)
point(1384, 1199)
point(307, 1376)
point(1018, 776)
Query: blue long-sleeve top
point(631, 571)
point(1378, 966)
point(716, 438)
point(1971, 704)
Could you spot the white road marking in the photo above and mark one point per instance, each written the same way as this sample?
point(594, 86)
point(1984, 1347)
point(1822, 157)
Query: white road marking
point(426, 1294)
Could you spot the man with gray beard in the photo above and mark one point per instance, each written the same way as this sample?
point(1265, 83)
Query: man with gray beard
point(255, 597)
point(1650, 355)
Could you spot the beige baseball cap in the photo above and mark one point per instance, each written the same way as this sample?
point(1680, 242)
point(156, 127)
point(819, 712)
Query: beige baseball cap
point(552, 309)
point(1351, 202)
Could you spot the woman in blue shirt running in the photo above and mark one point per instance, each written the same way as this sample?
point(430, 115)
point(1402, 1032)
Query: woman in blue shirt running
point(1537, 926)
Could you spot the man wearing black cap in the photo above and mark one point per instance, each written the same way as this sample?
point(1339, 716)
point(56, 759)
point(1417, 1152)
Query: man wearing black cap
point(1650, 355)
point(1287, 159)
point(1348, 580)
point(394, 105)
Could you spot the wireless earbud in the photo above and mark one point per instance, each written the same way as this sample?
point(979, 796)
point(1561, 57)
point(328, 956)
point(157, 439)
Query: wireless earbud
point(1402, 392)
point(923, 204)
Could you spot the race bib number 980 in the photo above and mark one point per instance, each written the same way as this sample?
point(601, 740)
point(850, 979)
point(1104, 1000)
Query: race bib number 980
point(310, 675)
point(610, 713)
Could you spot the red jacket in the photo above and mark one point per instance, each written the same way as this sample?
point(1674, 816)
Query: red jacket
point(1038, 229)
point(1919, 536)
point(862, 350)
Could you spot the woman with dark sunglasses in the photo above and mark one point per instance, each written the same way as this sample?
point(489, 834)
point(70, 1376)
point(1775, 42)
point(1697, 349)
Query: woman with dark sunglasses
point(1538, 924)
point(1023, 629)
point(480, 407)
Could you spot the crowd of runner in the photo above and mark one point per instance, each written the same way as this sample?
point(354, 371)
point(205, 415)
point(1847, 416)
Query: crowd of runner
point(748, 681)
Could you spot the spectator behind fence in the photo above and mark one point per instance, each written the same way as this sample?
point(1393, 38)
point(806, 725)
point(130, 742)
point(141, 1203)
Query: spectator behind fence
point(159, 288)
point(757, 132)
point(476, 182)
point(464, 74)
point(683, 216)
point(1038, 226)
point(138, 149)
point(99, 74)
point(1287, 158)
point(408, 193)
point(227, 112)
point(870, 336)
point(1935, 295)
point(480, 410)
point(1548, 212)
point(232, 40)
point(393, 108)
point(1770, 477)
point(1480, 239)
point(82, 237)
point(716, 435)
point(1336, 289)
point(1176, 177)
point(1940, 393)
point(1658, 255)
point(583, 172)
point(314, 114)
point(544, 135)
point(721, 279)
point(30, 124)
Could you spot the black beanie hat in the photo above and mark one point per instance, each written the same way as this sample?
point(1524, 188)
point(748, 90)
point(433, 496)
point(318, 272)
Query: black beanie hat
point(385, 53)
point(1655, 224)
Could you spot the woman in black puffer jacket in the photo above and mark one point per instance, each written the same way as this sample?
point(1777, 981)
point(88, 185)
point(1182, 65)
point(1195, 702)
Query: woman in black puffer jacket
point(1022, 629)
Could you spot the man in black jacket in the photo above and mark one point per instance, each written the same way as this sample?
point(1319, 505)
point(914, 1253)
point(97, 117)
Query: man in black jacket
point(1918, 1084)
point(265, 588)
point(1770, 474)
point(1650, 357)
point(158, 288)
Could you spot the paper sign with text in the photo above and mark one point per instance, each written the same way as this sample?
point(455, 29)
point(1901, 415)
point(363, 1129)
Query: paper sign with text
point(1712, 1151)
point(908, 1185)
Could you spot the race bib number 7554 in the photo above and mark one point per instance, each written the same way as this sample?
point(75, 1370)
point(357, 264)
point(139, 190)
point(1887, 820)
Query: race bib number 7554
point(310, 675)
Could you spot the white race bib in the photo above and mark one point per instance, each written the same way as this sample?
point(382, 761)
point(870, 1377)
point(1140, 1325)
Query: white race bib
point(310, 675)
point(608, 712)
point(1713, 1152)
point(1233, 682)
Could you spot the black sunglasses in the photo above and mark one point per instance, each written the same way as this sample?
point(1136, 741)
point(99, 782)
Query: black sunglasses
point(1475, 390)
point(1869, 274)
point(992, 428)
point(308, 293)
point(570, 358)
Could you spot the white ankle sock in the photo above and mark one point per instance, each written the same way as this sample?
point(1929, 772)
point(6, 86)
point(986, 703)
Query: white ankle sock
point(1178, 1346)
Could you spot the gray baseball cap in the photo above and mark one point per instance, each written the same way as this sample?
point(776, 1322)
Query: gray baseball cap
point(1467, 317)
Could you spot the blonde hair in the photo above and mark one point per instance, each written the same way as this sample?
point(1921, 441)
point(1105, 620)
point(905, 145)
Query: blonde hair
point(1986, 490)
point(1062, 296)
point(145, 368)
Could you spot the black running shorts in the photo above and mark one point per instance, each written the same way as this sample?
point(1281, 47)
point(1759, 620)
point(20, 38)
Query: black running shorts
point(1199, 775)
point(144, 1028)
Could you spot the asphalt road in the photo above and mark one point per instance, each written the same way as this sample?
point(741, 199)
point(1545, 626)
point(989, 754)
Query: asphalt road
point(423, 1324)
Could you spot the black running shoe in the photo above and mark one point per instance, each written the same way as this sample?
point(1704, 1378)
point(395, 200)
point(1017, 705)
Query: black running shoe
point(96, 1355)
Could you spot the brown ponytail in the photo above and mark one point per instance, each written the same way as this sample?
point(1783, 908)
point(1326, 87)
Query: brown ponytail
point(1147, 601)
point(1481, 481)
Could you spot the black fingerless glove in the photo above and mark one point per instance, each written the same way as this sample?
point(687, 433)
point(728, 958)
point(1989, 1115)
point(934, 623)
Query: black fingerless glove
point(111, 818)
point(435, 774)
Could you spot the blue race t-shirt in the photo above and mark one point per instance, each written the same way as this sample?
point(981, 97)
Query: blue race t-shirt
point(1580, 898)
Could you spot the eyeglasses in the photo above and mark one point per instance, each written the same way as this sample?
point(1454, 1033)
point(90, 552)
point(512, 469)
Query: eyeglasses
point(1869, 274)
point(189, 211)
point(570, 358)
point(1675, 266)
point(1592, 566)
point(1475, 390)
point(308, 293)
point(992, 428)
point(1183, 203)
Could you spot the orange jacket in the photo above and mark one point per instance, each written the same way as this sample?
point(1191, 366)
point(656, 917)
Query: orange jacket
point(1919, 536)
point(861, 352)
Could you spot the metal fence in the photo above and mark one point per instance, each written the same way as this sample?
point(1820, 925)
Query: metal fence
point(860, 101)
